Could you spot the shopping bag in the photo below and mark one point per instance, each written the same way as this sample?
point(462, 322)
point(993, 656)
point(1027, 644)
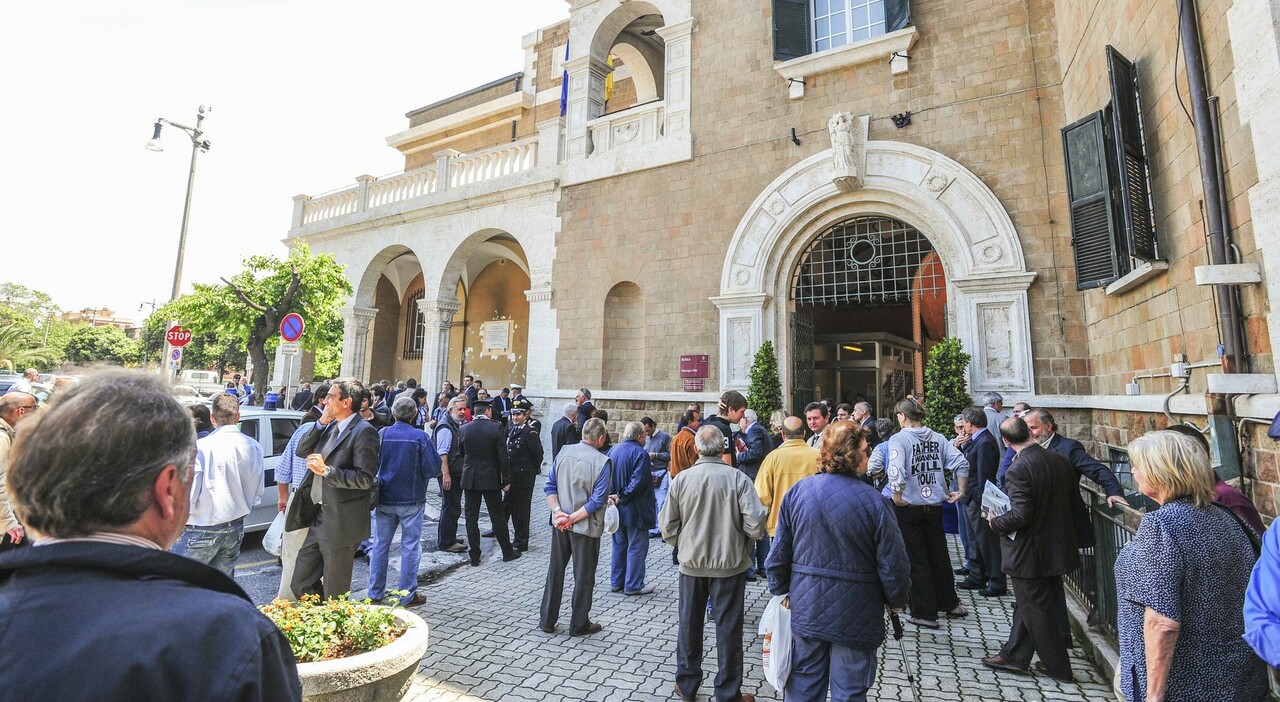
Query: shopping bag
point(271, 541)
point(775, 631)
point(611, 519)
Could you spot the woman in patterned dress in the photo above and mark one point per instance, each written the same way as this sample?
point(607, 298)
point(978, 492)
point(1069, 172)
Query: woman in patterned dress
point(1181, 582)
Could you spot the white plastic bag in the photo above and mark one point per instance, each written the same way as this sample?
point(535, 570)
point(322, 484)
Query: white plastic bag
point(611, 519)
point(775, 632)
point(271, 541)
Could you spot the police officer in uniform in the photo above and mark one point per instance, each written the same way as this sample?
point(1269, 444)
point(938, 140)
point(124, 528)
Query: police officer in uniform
point(524, 446)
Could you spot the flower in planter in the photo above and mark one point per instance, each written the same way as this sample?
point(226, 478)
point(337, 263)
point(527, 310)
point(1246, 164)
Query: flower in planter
point(319, 630)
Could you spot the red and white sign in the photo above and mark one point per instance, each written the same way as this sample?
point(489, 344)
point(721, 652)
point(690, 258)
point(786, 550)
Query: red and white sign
point(177, 336)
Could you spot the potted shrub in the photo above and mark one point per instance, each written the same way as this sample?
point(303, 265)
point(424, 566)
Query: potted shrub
point(350, 650)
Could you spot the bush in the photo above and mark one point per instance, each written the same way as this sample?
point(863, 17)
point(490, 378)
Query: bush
point(334, 628)
point(765, 394)
point(945, 388)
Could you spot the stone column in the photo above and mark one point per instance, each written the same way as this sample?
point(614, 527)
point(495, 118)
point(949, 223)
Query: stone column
point(544, 340)
point(676, 82)
point(355, 341)
point(586, 102)
point(741, 333)
point(438, 321)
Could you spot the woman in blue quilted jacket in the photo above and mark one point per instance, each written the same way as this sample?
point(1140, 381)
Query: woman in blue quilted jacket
point(837, 549)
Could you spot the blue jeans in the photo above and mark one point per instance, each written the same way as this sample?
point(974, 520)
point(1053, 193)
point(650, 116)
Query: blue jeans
point(385, 520)
point(630, 548)
point(660, 496)
point(815, 664)
point(761, 554)
point(217, 545)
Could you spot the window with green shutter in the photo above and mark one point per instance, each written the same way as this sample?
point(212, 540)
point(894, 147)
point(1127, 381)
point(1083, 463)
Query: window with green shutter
point(1093, 232)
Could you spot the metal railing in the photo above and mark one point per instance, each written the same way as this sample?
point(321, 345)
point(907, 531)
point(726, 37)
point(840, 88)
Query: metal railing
point(1093, 584)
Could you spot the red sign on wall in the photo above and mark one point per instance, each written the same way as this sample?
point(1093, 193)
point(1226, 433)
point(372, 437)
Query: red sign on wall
point(694, 366)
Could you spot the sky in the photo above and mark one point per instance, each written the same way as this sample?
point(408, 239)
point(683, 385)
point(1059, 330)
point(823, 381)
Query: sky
point(303, 96)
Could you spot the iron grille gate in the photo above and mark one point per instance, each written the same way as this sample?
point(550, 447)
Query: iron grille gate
point(866, 261)
point(415, 327)
point(802, 390)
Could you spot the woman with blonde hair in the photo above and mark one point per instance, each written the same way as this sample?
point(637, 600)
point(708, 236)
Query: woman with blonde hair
point(1180, 604)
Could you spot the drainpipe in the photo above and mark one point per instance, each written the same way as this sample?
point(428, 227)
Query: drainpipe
point(1212, 180)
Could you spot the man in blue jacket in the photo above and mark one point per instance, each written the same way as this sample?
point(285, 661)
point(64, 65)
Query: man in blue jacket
point(982, 451)
point(633, 484)
point(407, 463)
point(98, 606)
point(753, 444)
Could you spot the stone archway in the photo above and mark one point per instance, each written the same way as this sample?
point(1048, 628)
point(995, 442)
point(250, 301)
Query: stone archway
point(975, 239)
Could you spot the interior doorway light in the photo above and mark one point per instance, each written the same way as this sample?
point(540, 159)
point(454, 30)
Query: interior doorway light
point(855, 349)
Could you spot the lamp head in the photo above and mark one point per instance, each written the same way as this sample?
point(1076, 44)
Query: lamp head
point(154, 144)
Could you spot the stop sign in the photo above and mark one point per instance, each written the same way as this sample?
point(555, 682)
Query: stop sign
point(177, 336)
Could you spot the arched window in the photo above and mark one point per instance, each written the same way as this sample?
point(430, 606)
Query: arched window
point(623, 367)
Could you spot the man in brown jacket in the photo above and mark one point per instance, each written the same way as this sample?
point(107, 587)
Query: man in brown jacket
point(683, 451)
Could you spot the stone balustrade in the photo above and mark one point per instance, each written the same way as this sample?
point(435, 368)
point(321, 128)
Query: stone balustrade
point(642, 124)
point(451, 170)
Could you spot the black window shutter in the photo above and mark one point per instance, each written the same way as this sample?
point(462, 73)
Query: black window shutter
point(791, 29)
point(897, 13)
point(1094, 234)
point(1131, 158)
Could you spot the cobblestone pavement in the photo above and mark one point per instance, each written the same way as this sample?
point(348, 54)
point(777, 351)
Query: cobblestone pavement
point(486, 645)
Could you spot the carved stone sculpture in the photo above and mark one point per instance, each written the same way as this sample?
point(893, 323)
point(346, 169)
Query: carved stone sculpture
point(844, 152)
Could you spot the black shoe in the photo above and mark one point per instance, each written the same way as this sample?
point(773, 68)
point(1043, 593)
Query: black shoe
point(970, 585)
point(547, 629)
point(592, 628)
point(487, 534)
point(475, 560)
point(961, 571)
point(993, 592)
point(1044, 670)
point(615, 589)
point(998, 662)
point(511, 556)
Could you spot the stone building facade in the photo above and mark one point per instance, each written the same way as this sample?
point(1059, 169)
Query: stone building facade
point(889, 186)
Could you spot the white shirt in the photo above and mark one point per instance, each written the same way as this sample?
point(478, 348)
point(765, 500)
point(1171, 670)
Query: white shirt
point(21, 385)
point(228, 477)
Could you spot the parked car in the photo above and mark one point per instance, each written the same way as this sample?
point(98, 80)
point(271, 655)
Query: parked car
point(272, 429)
point(187, 396)
point(206, 382)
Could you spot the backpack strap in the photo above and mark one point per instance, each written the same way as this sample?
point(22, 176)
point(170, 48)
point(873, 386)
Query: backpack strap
point(1255, 540)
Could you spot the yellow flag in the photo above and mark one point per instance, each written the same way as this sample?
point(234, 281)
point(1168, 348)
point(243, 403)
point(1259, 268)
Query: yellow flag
point(608, 81)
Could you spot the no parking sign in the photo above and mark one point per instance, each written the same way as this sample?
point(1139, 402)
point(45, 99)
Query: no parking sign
point(175, 358)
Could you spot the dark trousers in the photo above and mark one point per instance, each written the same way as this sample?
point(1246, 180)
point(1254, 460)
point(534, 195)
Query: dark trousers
point(517, 502)
point(727, 598)
point(584, 551)
point(6, 543)
point(986, 558)
point(324, 563)
point(497, 517)
point(450, 510)
point(1040, 604)
point(818, 666)
point(933, 587)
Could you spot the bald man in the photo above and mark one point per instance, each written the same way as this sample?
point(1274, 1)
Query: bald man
point(785, 466)
point(14, 406)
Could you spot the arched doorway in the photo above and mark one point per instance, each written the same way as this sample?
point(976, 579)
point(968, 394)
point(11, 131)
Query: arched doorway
point(867, 299)
point(383, 331)
point(972, 238)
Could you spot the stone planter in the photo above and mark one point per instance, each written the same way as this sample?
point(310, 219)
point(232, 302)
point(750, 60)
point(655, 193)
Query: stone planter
point(383, 675)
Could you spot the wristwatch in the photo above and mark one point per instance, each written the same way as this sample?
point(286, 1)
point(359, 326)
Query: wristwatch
point(328, 470)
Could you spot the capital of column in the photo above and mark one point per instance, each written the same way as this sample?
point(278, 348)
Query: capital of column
point(583, 64)
point(359, 317)
point(438, 312)
point(538, 295)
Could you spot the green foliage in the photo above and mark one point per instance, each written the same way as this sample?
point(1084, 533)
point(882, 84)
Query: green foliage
point(207, 351)
point(765, 393)
point(250, 305)
point(101, 345)
point(24, 314)
point(20, 346)
point(31, 304)
point(334, 628)
point(328, 362)
point(945, 389)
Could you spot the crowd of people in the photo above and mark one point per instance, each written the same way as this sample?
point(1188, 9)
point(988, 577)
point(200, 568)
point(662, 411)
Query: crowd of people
point(840, 511)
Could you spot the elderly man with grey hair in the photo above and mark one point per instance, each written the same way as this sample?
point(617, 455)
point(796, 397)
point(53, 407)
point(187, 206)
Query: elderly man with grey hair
point(407, 463)
point(565, 430)
point(713, 517)
point(226, 485)
point(577, 490)
point(14, 407)
point(993, 406)
point(114, 616)
point(23, 384)
point(633, 484)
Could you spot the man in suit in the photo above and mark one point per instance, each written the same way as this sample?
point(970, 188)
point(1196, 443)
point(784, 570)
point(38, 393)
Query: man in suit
point(565, 430)
point(585, 408)
point(524, 448)
point(302, 398)
point(983, 453)
point(341, 452)
point(1039, 484)
point(486, 474)
point(502, 407)
point(1044, 432)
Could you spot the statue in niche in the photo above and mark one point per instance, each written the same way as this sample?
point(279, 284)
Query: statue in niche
point(844, 150)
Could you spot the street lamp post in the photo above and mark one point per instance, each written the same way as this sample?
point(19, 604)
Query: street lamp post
point(197, 145)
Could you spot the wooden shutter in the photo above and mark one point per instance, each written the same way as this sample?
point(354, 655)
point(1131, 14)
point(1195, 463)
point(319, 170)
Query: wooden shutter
point(897, 14)
point(791, 35)
point(1094, 234)
point(1130, 158)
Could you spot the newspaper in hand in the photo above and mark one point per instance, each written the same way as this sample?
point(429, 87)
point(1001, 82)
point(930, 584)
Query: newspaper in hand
point(994, 501)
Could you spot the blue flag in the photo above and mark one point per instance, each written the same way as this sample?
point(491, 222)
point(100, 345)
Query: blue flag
point(564, 85)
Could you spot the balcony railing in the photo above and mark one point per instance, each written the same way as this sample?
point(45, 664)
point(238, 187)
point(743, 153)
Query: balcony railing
point(451, 170)
point(641, 124)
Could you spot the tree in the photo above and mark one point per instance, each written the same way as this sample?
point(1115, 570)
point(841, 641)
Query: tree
point(101, 345)
point(765, 394)
point(32, 304)
point(945, 388)
point(207, 351)
point(20, 346)
point(250, 304)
